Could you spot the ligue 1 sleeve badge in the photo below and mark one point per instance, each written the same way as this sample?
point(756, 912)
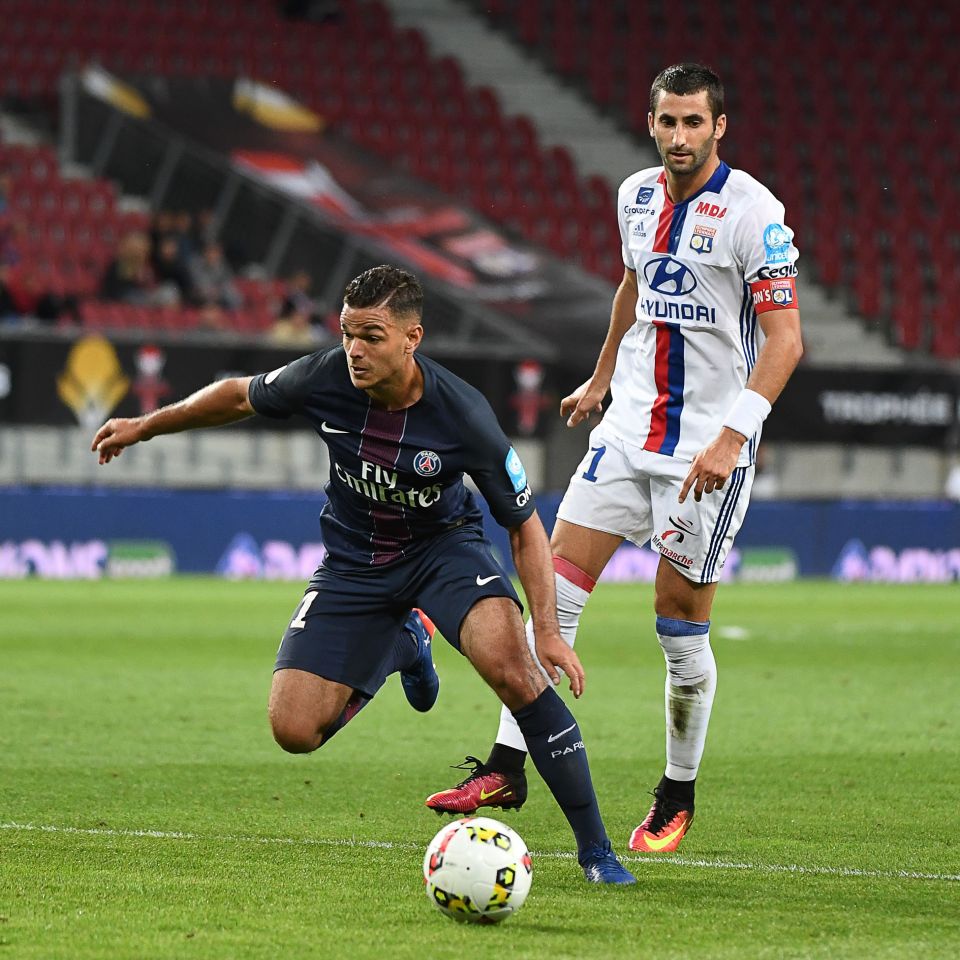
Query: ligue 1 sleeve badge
point(426, 463)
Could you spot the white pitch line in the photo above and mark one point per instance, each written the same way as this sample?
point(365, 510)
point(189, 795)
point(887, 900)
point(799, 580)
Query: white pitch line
point(667, 861)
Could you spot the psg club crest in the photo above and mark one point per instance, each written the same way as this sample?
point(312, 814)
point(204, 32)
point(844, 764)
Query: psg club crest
point(426, 463)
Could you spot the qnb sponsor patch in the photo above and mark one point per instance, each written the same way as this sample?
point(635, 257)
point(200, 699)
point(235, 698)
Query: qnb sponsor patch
point(774, 294)
point(515, 471)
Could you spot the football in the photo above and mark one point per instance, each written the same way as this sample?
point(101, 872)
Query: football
point(477, 870)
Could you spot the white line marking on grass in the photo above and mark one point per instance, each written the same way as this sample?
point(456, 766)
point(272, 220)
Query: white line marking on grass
point(666, 861)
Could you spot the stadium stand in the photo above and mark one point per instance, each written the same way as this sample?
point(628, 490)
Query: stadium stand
point(380, 86)
point(58, 236)
point(430, 122)
point(877, 221)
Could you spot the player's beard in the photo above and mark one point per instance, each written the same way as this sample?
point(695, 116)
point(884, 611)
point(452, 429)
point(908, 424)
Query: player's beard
point(700, 157)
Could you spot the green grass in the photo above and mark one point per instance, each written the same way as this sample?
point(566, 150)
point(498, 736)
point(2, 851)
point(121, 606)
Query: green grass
point(833, 764)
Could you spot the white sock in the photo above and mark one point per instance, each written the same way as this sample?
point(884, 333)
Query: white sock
point(573, 591)
point(688, 693)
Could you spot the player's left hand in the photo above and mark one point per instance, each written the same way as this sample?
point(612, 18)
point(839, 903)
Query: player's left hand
point(115, 436)
point(556, 655)
point(712, 466)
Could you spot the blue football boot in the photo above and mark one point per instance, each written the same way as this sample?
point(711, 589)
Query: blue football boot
point(421, 683)
point(600, 865)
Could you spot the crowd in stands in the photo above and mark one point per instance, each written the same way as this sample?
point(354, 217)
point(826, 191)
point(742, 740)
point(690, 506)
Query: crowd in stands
point(168, 272)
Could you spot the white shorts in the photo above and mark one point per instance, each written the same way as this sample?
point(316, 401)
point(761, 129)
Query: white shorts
point(632, 493)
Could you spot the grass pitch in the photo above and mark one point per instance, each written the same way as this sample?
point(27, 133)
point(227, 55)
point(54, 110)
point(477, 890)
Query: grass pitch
point(146, 812)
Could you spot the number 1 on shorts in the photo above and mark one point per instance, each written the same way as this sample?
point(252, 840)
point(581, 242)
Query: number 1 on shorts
point(591, 472)
point(298, 621)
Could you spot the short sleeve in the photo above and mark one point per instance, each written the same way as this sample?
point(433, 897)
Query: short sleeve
point(764, 242)
point(765, 248)
point(624, 246)
point(282, 392)
point(497, 469)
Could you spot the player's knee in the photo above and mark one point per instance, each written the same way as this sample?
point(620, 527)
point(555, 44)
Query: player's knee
point(294, 735)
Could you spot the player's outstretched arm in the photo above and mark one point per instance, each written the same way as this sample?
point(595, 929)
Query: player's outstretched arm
point(534, 563)
point(588, 397)
point(777, 360)
point(225, 401)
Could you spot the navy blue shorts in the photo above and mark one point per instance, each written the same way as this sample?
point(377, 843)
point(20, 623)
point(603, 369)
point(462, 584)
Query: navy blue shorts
point(345, 627)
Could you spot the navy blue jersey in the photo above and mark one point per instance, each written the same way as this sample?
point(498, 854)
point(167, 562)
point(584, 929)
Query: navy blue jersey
point(396, 477)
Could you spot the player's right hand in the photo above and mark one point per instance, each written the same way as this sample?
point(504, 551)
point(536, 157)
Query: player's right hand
point(114, 436)
point(555, 655)
point(586, 399)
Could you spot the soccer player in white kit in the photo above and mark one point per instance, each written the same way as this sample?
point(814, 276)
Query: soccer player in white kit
point(704, 334)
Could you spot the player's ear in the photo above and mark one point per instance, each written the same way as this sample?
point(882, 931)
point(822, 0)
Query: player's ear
point(650, 123)
point(414, 336)
point(720, 127)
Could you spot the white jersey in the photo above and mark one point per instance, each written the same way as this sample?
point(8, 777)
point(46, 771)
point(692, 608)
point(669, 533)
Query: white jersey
point(705, 268)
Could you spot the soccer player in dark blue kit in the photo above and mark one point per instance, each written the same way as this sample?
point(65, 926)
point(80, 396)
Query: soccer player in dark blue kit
point(403, 532)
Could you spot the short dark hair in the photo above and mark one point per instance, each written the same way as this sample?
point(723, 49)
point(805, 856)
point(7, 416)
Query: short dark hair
point(386, 286)
point(686, 78)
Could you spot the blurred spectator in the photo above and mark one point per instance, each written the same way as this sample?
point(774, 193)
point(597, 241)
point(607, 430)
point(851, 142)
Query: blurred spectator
point(163, 226)
point(5, 189)
point(183, 230)
point(203, 229)
point(294, 330)
point(212, 279)
point(173, 278)
point(129, 277)
point(297, 299)
point(299, 320)
point(211, 317)
point(23, 293)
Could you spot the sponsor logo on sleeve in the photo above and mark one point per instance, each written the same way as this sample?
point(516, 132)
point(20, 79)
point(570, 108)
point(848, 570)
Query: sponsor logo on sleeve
point(777, 273)
point(776, 243)
point(644, 195)
point(515, 471)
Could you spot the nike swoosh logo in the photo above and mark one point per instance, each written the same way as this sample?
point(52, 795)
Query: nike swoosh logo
point(654, 844)
point(557, 736)
point(486, 796)
point(326, 428)
point(482, 581)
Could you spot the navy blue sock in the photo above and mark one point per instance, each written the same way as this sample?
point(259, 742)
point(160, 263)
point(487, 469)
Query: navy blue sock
point(556, 748)
point(403, 655)
point(354, 705)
